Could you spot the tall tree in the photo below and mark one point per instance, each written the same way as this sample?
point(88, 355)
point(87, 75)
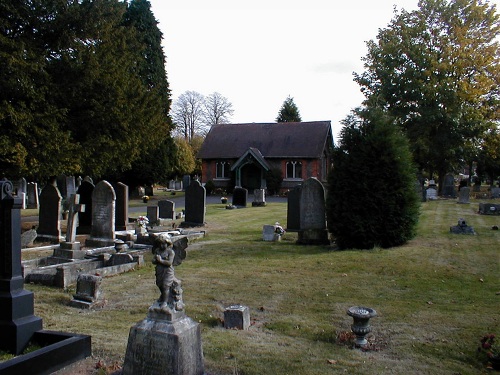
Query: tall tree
point(217, 109)
point(363, 214)
point(289, 112)
point(436, 69)
point(188, 114)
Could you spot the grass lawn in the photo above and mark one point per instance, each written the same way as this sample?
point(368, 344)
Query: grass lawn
point(435, 298)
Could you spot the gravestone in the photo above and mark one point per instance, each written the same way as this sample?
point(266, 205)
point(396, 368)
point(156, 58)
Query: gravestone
point(32, 192)
point(102, 232)
point(186, 180)
point(88, 292)
point(17, 322)
point(240, 197)
point(85, 191)
point(178, 185)
point(464, 195)
point(462, 228)
point(49, 226)
point(79, 180)
point(153, 214)
point(259, 198)
point(121, 218)
point(313, 214)
point(449, 186)
point(171, 185)
point(268, 233)
point(166, 209)
point(293, 209)
point(148, 190)
point(28, 237)
point(70, 248)
point(489, 209)
point(237, 317)
point(195, 202)
point(23, 186)
point(431, 194)
point(495, 192)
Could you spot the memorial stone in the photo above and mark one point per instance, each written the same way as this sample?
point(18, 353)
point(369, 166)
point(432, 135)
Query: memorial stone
point(495, 192)
point(69, 249)
point(49, 226)
point(17, 322)
point(102, 232)
point(489, 209)
point(293, 209)
point(166, 209)
point(259, 198)
point(312, 214)
point(195, 204)
point(148, 190)
point(464, 195)
point(449, 186)
point(240, 197)
point(431, 194)
point(186, 180)
point(121, 219)
point(85, 191)
point(33, 199)
point(237, 317)
point(88, 292)
point(153, 214)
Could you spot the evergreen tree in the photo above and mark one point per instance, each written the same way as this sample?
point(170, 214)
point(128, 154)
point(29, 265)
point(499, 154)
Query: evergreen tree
point(289, 112)
point(371, 199)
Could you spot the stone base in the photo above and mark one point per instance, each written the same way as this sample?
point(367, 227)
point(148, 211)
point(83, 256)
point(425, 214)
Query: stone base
point(258, 204)
point(68, 253)
point(85, 304)
point(99, 242)
point(71, 245)
point(164, 347)
point(313, 237)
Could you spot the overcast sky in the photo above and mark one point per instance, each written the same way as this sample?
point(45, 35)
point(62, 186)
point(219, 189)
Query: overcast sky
point(258, 54)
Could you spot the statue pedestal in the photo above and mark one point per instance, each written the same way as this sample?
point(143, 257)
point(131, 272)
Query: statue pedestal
point(160, 345)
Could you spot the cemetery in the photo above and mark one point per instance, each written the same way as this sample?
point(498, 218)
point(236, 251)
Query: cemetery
point(295, 313)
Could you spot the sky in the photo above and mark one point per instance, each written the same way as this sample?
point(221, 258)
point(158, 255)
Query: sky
point(257, 53)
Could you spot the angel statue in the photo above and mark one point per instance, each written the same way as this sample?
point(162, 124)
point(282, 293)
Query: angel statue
point(166, 255)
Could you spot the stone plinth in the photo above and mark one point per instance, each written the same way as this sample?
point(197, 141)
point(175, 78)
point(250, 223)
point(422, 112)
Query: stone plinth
point(158, 345)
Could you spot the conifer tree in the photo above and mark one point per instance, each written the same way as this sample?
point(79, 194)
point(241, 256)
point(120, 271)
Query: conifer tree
point(289, 112)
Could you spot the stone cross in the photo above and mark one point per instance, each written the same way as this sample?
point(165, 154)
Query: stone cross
point(74, 208)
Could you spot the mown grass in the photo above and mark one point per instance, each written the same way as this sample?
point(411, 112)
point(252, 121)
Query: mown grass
point(435, 298)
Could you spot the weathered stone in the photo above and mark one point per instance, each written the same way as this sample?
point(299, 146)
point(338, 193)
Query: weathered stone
point(312, 214)
point(240, 197)
point(195, 204)
point(50, 213)
point(237, 317)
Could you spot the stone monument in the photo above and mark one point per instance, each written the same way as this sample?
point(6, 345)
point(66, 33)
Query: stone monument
point(313, 214)
point(166, 341)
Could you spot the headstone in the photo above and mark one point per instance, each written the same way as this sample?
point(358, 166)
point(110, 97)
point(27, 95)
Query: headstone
point(237, 317)
point(166, 341)
point(431, 194)
point(166, 209)
point(61, 185)
point(489, 209)
point(69, 249)
point(49, 226)
point(463, 195)
point(186, 180)
point(24, 202)
point(17, 322)
point(313, 214)
point(85, 218)
point(153, 214)
point(449, 186)
point(462, 228)
point(259, 198)
point(28, 237)
point(70, 186)
point(293, 209)
point(240, 197)
point(268, 233)
point(178, 185)
point(102, 232)
point(33, 199)
point(141, 191)
point(119, 259)
point(23, 186)
point(171, 185)
point(121, 219)
point(495, 192)
point(79, 180)
point(148, 190)
point(88, 292)
point(195, 202)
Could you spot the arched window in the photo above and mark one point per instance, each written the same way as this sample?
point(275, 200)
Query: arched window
point(294, 169)
point(222, 169)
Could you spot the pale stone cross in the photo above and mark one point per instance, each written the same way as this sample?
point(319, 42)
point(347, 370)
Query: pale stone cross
point(74, 208)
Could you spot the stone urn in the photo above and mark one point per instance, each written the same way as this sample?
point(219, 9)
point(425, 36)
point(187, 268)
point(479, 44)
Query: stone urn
point(361, 326)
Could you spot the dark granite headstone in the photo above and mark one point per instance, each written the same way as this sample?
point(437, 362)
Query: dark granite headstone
point(240, 197)
point(167, 209)
point(17, 322)
point(463, 195)
point(32, 192)
point(195, 204)
point(50, 213)
point(449, 186)
point(148, 190)
point(293, 209)
point(103, 212)
point(186, 180)
point(489, 209)
point(121, 218)
point(313, 214)
point(153, 214)
point(85, 218)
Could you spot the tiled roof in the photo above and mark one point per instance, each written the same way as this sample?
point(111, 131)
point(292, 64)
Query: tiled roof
point(273, 140)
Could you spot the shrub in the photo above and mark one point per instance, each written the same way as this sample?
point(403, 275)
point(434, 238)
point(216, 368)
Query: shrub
point(209, 187)
point(371, 199)
point(274, 178)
